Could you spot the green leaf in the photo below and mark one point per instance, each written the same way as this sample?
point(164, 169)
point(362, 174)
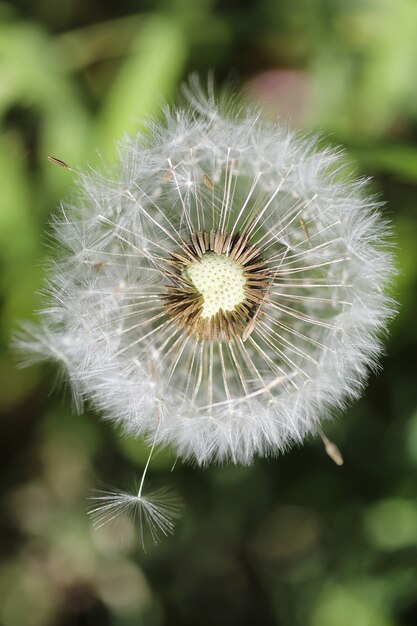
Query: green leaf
point(393, 159)
point(144, 80)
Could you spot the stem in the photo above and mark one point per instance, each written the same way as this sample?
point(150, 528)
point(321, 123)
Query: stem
point(147, 465)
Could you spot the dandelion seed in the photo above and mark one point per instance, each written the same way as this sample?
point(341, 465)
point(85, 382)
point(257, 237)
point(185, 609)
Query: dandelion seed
point(154, 512)
point(222, 293)
point(331, 449)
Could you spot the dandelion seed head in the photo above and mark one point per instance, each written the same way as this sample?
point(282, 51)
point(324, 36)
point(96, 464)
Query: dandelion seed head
point(221, 293)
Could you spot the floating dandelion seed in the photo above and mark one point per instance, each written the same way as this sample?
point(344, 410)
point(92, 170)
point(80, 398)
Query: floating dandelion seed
point(155, 511)
point(221, 294)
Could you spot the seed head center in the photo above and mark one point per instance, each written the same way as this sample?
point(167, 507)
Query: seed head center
point(220, 280)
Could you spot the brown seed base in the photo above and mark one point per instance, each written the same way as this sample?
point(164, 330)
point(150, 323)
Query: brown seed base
point(184, 303)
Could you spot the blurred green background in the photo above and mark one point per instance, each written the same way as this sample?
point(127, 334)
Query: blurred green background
point(294, 541)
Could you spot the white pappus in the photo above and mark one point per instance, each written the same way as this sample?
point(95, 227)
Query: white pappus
point(223, 291)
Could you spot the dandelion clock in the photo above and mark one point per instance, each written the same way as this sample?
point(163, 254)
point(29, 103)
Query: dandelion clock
point(220, 294)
